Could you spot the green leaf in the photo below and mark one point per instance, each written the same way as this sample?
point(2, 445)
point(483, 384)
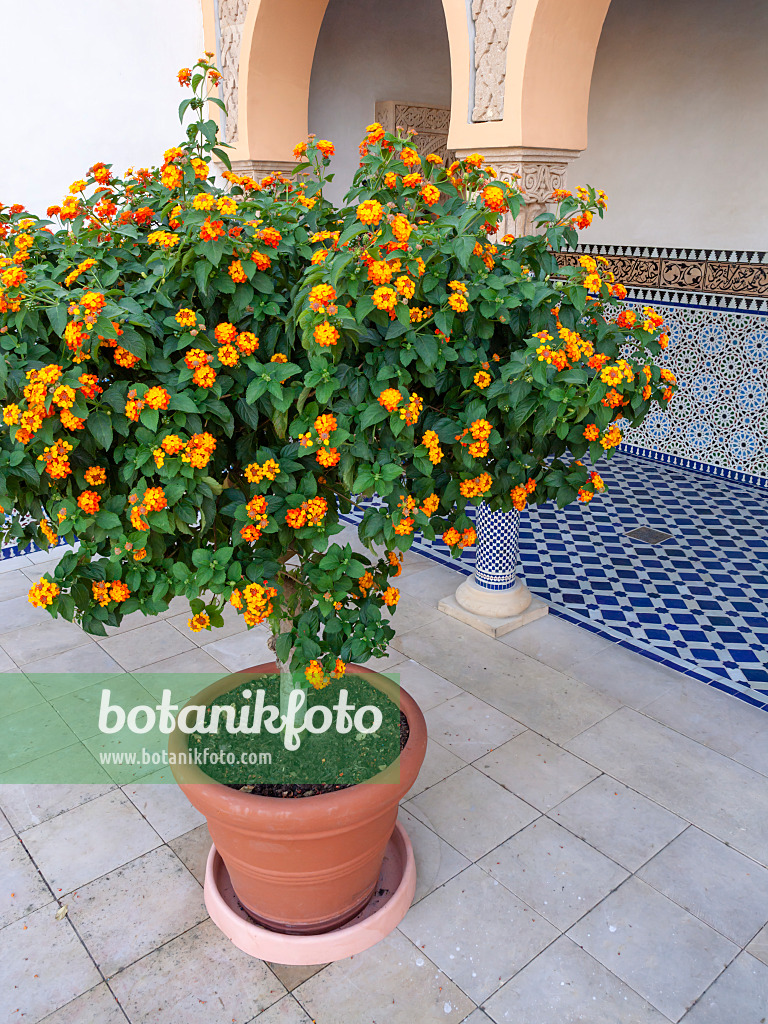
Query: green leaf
point(100, 427)
point(372, 414)
point(58, 318)
point(107, 520)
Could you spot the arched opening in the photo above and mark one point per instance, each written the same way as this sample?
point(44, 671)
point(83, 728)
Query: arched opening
point(370, 54)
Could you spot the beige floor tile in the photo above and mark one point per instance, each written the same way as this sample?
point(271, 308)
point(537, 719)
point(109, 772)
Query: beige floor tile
point(660, 950)
point(436, 860)
point(192, 849)
point(30, 734)
point(71, 670)
point(394, 983)
point(478, 1017)
point(759, 945)
point(18, 613)
point(72, 765)
point(13, 584)
point(98, 1006)
point(241, 651)
point(622, 824)
point(426, 688)
point(127, 913)
point(555, 642)
point(716, 720)
point(431, 585)
point(165, 807)
point(5, 828)
point(292, 976)
point(17, 693)
point(712, 881)
point(43, 640)
point(140, 754)
point(469, 727)
point(43, 965)
point(392, 660)
point(284, 1011)
point(23, 890)
point(723, 798)
point(146, 645)
point(412, 613)
point(477, 931)
point(198, 978)
point(536, 770)
point(80, 709)
point(740, 995)
point(90, 840)
point(438, 764)
point(543, 699)
point(184, 675)
point(471, 812)
point(7, 664)
point(15, 563)
point(26, 805)
point(566, 985)
point(630, 678)
point(554, 872)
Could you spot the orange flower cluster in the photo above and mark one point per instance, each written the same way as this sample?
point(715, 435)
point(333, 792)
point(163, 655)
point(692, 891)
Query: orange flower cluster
point(453, 538)
point(390, 597)
point(479, 431)
point(56, 459)
point(256, 600)
point(411, 412)
point(89, 501)
point(257, 510)
point(326, 335)
point(255, 473)
point(476, 486)
point(519, 494)
point(309, 513)
point(385, 298)
point(43, 593)
point(390, 398)
point(370, 211)
point(430, 505)
point(431, 442)
point(104, 592)
point(199, 622)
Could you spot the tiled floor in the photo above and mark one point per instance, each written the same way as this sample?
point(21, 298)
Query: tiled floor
point(590, 828)
point(698, 601)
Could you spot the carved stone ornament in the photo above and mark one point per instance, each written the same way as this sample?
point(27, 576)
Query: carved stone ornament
point(231, 17)
point(536, 172)
point(492, 20)
point(261, 168)
point(431, 123)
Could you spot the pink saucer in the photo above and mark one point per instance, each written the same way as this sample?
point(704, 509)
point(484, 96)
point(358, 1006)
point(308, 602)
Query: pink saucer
point(394, 893)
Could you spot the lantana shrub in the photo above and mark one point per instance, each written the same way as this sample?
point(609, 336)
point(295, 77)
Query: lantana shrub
point(199, 380)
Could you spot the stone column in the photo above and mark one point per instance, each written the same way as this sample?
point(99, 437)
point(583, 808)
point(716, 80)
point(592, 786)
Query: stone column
point(536, 172)
point(261, 168)
point(493, 599)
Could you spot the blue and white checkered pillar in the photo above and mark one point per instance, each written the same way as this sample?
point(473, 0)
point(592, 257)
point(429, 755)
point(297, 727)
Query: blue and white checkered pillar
point(494, 590)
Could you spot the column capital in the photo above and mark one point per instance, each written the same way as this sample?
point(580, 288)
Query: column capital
point(537, 173)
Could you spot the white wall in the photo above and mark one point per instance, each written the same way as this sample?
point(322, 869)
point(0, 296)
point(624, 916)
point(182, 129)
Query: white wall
point(370, 50)
point(678, 124)
point(89, 80)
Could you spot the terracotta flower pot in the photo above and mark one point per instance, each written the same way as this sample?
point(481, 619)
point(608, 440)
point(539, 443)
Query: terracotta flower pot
point(306, 865)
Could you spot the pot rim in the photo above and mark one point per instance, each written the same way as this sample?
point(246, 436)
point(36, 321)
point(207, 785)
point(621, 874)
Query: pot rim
point(191, 776)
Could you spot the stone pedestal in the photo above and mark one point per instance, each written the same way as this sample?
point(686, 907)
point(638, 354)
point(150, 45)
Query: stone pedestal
point(493, 599)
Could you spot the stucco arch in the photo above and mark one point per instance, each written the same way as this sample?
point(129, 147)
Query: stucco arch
point(549, 59)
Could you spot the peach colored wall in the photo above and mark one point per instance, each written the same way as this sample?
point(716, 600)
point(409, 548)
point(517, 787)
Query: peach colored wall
point(88, 81)
point(365, 54)
point(677, 124)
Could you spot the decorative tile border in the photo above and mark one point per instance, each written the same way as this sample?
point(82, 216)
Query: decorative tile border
point(718, 272)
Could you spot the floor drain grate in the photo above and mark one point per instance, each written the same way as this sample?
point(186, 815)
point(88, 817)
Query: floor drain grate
point(648, 535)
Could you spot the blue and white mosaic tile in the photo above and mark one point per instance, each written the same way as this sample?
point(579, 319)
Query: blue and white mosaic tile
point(697, 602)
